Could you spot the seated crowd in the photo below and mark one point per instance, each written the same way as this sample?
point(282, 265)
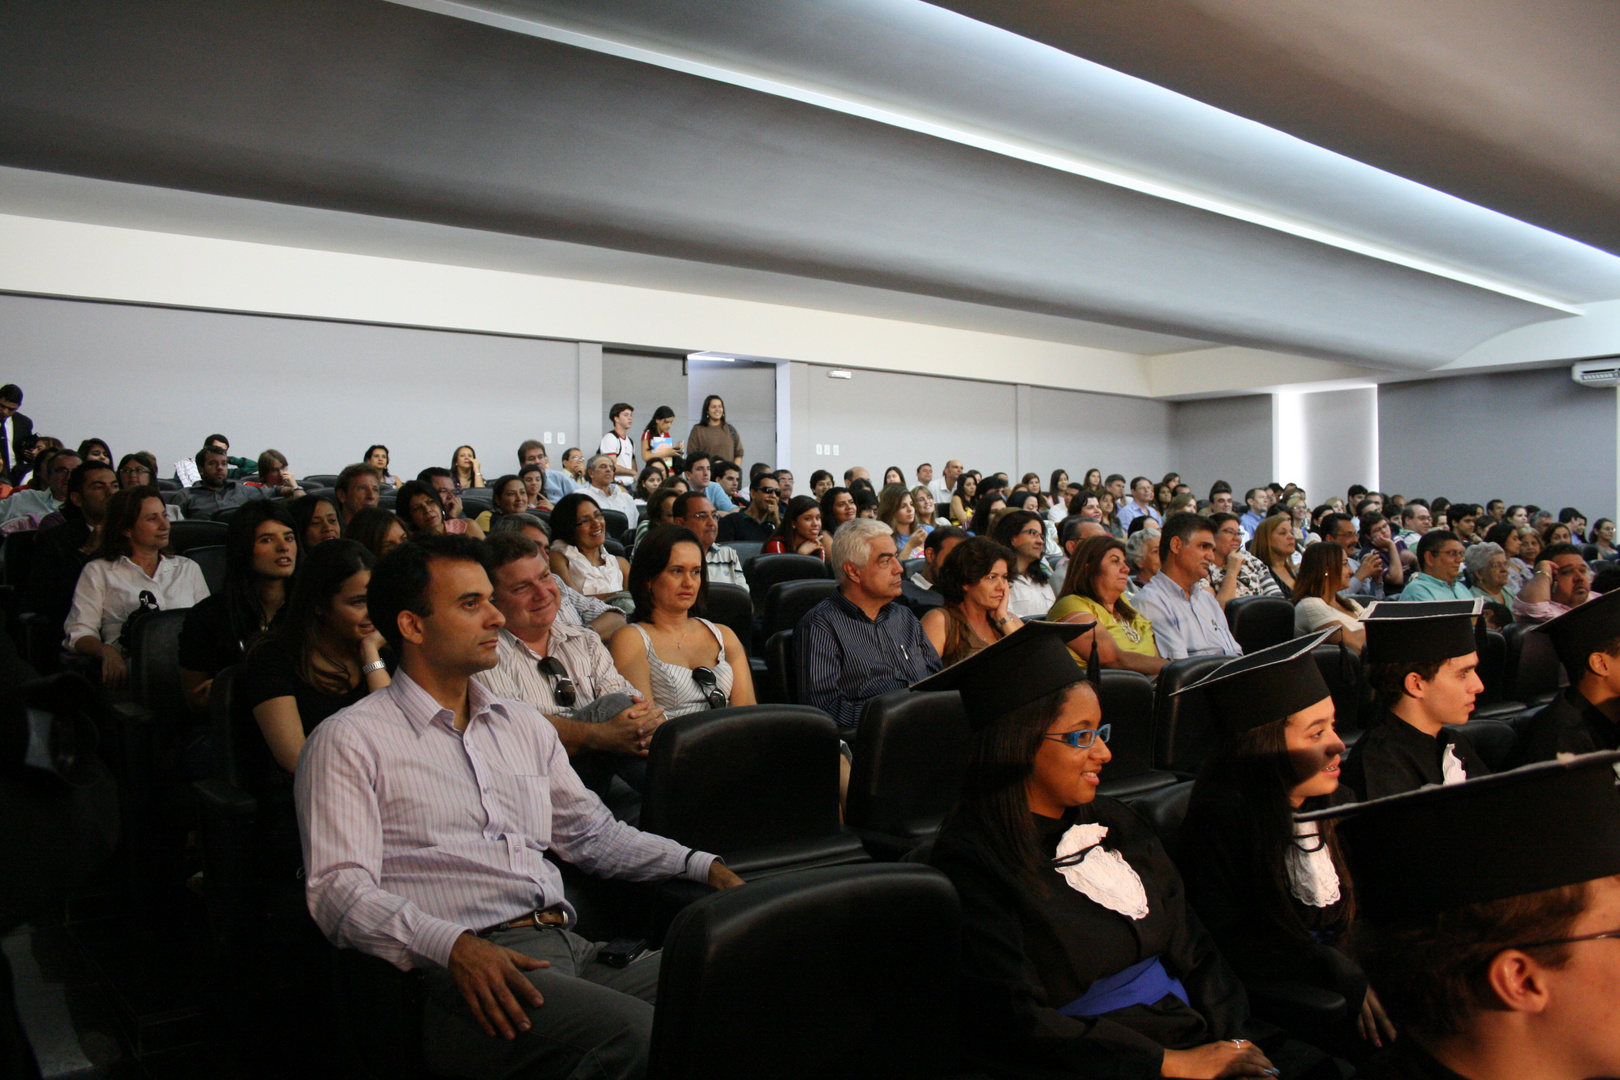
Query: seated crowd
point(448, 679)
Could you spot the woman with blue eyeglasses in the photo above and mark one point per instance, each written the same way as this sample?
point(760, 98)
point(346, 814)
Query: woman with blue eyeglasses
point(1080, 954)
point(1274, 892)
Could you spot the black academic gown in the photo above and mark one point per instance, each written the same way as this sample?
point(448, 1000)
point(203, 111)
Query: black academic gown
point(1394, 757)
point(1569, 724)
point(1026, 956)
point(1224, 888)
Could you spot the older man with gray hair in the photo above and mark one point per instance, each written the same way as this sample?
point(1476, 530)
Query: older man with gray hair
point(858, 643)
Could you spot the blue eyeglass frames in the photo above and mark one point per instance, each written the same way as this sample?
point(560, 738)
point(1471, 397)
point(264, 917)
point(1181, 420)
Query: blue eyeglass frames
point(1083, 738)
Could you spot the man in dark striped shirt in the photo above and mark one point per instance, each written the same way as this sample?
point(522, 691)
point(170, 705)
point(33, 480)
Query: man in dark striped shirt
point(858, 643)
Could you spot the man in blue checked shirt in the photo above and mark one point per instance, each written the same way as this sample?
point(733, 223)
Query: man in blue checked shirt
point(858, 643)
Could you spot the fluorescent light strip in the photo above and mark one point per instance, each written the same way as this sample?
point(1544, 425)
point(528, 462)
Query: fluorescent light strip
point(967, 135)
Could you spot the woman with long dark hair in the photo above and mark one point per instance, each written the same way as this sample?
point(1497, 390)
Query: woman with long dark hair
point(898, 511)
point(1274, 892)
point(712, 435)
point(964, 498)
point(579, 554)
point(322, 655)
point(1274, 544)
point(1079, 953)
point(973, 581)
point(1029, 582)
point(1094, 589)
point(465, 468)
point(420, 507)
point(261, 554)
point(679, 661)
point(986, 511)
point(377, 458)
point(1324, 573)
point(377, 530)
point(657, 444)
point(837, 506)
point(800, 532)
point(315, 520)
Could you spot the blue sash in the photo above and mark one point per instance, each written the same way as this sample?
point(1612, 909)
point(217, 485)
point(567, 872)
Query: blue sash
point(1140, 984)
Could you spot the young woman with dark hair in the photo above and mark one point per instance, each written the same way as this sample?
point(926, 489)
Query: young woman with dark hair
point(1080, 956)
point(1274, 544)
point(963, 500)
point(656, 442)
point(678, 661)
point(893, 475)
point(800, 532)
point(712, 435)
point(579, 555)
point(1324, 573)
point(510, 495)
point(1094, 590)
point(985, 511)
point(1275, 894)
point(837, 506)
point(465, 469)
point(315, 520)
point(96, 450)
point(377, 530)
point(377, 458)
point(322, 655)
point(261, 554)
point(898, 510)
point(419, 505)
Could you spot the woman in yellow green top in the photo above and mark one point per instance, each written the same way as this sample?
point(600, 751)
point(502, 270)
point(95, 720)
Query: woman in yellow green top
point(1094, 589)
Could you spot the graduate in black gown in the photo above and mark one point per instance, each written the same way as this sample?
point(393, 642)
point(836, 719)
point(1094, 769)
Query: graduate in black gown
point(1081, 957)
point(1490, 918)
point(1422, 659)
point(1585, 717)
point(1274, 892)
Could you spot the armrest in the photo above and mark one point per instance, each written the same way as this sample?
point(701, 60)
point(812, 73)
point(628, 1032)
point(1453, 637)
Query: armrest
point(223, 798)
point(1296, 1006)
point(133, 712)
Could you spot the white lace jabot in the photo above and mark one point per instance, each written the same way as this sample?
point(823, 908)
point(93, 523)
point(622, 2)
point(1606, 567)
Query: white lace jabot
point(1103, 875)
point(1311, 876)
point(1451, 766)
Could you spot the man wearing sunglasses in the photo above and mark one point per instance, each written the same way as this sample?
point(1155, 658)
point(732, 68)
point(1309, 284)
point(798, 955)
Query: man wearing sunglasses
point(760, 517)
point(564, 670)
point(426, 813)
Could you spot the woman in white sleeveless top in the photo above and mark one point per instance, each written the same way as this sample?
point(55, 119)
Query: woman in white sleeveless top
point(682, 663)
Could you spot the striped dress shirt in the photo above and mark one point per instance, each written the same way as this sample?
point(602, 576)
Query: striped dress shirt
point(516, 677)
point(846, 659)
point(415, 833)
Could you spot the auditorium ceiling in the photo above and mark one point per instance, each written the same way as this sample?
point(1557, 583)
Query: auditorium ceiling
point(1381, 184)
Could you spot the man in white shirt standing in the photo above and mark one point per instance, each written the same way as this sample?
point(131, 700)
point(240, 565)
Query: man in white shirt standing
point(426, 811)
point(616, 443)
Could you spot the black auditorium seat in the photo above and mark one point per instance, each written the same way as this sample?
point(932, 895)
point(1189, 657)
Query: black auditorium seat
point(910, 753)
point(846, 971)
point(1533, 673)
point(185, 535)
point(1183, 726)
point(1127, 706)
point(731, 605)
point(789, 601)
point(1259, 622)
point(763, 571)
point(210, 559)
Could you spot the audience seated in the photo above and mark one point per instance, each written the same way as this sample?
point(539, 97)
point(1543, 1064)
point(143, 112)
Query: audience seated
point(858, 643)
point(213, 492)
point(1258, 500)
point(376, 456)
point(660, 504)
point(1421, 661)
point(377, 530)
point(563, 669)
point(1140, 504)
point(577, 608)
point(186, 470)
point(1487, 566)
point(1094, 591)
point(987, 511)
point(1376, 542)
point(680, 661)
point(800, 532)
point(136, 470)
point(1562, 581)
point(466, 471)
point(422, 509)
point(1187, 619)
point(26, 508)
point(534, 488)
point(1319, 603)
point(510, 495)
point(963, 498)
point(261, 554)
point(1237, 571)
point(579, 555)
point(1585, 717)
point(1142, 555)
point(694, 510)
point(315, 521)
point(758, 522)
point(919, 589)
point(323, 654)
point(1029, 582)
point(605, 491)
point(837, 507)
point(273, 472)
point(1439, 575)
point(61, 550)
point(1274, 545)
point(358, 486)
point(128, 571)
point(972, 582)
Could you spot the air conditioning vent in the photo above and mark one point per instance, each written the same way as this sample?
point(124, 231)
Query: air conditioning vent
point(1602, 371)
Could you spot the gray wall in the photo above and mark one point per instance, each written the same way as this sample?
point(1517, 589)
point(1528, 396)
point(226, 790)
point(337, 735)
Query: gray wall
point(161, 379)
point(749, 393)
point(646, 382)
point(1523, 436)
point(1223, 439)
point(1338, 447)
point(1075, 431)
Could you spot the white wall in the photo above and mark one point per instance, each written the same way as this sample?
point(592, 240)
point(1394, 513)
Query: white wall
point(1223, 439)
point(1524, 436)
point(646, 382)
point(159, 379)
point(1074, 431)
point(1340, 445)
point(749, 393)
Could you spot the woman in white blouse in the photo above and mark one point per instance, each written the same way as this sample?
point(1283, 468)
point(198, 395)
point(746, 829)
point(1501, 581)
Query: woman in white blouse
point(579, 554)
point(128, 567)
point(682, 663)
point(1324, 573)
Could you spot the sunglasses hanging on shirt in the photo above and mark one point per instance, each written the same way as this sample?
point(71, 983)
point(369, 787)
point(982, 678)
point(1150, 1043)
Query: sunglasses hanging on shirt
point(709, 683)
point(562, 687)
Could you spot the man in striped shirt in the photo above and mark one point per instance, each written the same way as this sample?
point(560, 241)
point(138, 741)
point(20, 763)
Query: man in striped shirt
point(426, 812)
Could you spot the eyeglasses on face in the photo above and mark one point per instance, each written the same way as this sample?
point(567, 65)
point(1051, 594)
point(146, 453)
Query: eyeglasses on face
point(1566, 941)
point(709, 683)
point(562, 687)
point(1084, 738)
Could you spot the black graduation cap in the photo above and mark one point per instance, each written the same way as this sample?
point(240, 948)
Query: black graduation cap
point(1580, 631)
point(1025, 665)
point(1258, 688)
point(1439, 848)
point(1420, 631)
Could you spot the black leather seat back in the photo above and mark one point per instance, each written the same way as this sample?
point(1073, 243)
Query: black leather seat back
point(1493, 668)
point(910, 755)
point(17, 558)
point(763, 571)
point(318, 480)
point(1259, 622)
point(154, 648)
point(751, 776)
point(185, 535)
point(1341, 670)
point(848, 971)
point(618, 522)
point(1127, 707)
point(1492, 740)
point(783, 665)
point(1165, 810)
point(731, 605)
point(789, 601)
point(210, 559)
point(1183, 726)
point(745, 549)
point(1533, 670)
